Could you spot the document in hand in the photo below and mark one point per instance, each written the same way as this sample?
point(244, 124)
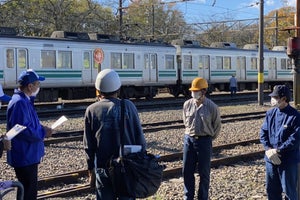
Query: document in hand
point(14, 131)
point(58, 122)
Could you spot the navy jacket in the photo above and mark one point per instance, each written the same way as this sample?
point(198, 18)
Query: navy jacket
point(281, 130)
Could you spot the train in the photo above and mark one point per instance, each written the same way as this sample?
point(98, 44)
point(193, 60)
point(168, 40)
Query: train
point(70, 62)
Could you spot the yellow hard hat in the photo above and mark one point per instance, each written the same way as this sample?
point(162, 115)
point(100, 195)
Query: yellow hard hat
point(198, 84)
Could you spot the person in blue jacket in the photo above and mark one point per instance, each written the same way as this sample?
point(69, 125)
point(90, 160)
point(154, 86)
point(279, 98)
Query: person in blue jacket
point(280, 136)
point(27, 148)
point(102, 129)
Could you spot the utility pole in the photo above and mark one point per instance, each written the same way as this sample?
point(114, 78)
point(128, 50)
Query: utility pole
point(260, 75)
point(296, 68)
point(120, 18)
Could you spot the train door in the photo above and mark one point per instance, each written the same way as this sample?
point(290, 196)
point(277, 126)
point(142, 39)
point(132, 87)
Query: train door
point(16, 61)
point(150, 66)
point(204, 66)
point(272, 68)
point(88, 67)
point(241, 68)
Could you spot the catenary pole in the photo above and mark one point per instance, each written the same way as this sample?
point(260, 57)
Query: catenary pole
point(296, 69)
point(260, 75)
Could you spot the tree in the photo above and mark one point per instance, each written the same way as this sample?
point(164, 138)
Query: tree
point(275, 22)
point(152, 19)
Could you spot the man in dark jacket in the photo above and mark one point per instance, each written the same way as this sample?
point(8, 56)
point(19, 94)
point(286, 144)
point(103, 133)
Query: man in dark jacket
point(102, 129)
point(280, 136)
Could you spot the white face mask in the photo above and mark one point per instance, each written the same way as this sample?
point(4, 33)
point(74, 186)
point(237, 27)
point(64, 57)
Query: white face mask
point(274, 102)
point(36, 92)
point(197, 95)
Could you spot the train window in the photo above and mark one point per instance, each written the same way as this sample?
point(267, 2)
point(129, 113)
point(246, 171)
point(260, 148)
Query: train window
point(187, 62)
point(219, 60)
point(48, 58)
point(10, 58)
point(170, 62)
point(22, 58)
point(153, 61)
point(116, 60)
point(128, 61)
point(227, 62)
point(283, 63)
point(272, 64)
point(241, 62)
point(87, 60)
point(203, 62)
point(64, 59)
point(289, 63)
point(254, 63)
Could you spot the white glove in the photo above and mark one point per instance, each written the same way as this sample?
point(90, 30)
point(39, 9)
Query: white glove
point(273, 156)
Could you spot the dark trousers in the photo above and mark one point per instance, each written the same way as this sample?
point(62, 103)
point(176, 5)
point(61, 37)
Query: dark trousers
point(28, 176)
point(196, 156)
point(281, 179)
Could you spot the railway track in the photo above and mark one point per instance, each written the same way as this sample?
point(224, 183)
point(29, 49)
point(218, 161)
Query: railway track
point(77, 185)
point(153, 127)
point(56, 109)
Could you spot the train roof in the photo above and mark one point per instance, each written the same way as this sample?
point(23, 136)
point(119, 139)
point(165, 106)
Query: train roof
point(83, 37)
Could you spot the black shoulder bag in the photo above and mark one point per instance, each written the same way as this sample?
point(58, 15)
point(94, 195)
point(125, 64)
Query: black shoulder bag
point(137, 175)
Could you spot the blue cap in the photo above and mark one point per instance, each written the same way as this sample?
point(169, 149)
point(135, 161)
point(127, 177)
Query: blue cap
point(4, 97)
point(281, 91)
point(29, 76)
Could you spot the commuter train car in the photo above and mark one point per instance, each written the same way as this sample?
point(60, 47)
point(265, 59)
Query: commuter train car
point(68, 62)
point(219, 62)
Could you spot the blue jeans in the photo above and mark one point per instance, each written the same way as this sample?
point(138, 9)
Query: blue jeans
point(196, 151)
point(281, 178)
point(104, 189)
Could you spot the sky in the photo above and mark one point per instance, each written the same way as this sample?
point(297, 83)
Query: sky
point(217, 10)
point(199, 11)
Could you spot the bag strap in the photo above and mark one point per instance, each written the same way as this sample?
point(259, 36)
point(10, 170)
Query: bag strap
point(122, 128)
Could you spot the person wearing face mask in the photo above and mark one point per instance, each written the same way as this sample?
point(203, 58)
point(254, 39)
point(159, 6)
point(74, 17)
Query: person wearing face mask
point(202, 121)
point(280, 137)
point(27, 148)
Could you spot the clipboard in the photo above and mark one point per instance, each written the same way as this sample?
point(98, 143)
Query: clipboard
point(14, 131)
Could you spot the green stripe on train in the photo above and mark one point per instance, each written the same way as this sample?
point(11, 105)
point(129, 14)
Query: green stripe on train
point(190, 73)
point(130, 74)
point(60, 74)
point(167, 73)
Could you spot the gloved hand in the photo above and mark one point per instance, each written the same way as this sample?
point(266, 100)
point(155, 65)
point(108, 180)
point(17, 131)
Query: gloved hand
point(273, 156)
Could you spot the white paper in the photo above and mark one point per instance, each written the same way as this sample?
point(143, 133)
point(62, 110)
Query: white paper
point(14, 131)
point(132, 149)
point(58, 122)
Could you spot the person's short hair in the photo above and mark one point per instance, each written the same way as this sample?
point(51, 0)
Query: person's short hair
point(281, 91)
point(29, 76)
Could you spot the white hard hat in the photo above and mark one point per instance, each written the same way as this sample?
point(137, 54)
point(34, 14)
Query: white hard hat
point(108, 80)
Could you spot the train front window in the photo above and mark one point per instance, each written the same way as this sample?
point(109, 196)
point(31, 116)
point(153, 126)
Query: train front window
point(22, 61)
point(10, 58)
point(48, 58)
point(116, 60)
point(128, 61)
point(64, 59)
point(170, 62)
